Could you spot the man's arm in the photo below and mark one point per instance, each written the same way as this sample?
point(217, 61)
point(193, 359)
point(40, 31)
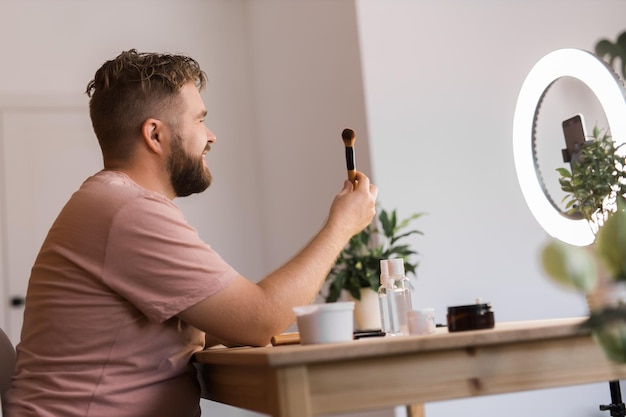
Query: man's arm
point(249, 313)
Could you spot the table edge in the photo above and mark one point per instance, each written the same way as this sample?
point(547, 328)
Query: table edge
point(289, 355)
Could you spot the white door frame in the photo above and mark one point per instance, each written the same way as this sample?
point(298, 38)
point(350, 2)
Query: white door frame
point(22, 103)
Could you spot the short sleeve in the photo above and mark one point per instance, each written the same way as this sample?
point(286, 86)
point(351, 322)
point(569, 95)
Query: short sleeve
point(157, 261)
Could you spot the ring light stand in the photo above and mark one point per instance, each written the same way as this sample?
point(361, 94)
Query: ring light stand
point(609, 90)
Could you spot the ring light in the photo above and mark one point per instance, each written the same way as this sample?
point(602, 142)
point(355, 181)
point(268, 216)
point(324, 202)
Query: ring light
point(608, 88)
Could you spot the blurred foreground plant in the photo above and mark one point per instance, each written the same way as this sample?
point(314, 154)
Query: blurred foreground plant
point(595, 190)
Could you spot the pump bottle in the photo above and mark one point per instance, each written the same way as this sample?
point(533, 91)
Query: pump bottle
point(382, 296)
point(394, 296)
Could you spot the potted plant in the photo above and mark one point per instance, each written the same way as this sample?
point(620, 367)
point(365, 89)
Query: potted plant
point(357, 269)
point(596, 179)
point(595, 189)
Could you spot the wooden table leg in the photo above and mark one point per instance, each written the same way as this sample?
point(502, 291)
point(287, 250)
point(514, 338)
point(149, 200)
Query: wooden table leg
point(415, 410)
point(294, 397)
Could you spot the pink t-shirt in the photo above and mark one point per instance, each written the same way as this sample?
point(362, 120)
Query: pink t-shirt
point(100, 334)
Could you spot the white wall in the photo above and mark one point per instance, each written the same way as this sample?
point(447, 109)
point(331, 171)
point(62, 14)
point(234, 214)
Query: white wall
point(307, 79)
point(441, 83)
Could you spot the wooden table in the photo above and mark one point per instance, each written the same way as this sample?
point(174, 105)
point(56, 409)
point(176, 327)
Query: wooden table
point(303, 381)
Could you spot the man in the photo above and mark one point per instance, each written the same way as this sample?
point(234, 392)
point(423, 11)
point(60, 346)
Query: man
point(123, 289)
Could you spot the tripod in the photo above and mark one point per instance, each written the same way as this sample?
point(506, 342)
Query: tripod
point(616, 407)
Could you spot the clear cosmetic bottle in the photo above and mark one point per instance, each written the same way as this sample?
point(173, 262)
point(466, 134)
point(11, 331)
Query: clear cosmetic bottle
point(394, 297)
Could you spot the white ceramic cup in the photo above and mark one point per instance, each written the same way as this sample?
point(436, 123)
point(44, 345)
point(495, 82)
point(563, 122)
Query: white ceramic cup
point(325, 323)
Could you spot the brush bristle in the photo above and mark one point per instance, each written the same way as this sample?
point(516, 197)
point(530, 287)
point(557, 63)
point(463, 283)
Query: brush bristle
point(348, 137)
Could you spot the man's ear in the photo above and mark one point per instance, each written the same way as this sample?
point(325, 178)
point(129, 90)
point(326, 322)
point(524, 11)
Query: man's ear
point(153, 133)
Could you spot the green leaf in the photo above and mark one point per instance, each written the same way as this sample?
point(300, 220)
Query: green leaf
point(570, 266)
point(608, 328)
point(595, 179)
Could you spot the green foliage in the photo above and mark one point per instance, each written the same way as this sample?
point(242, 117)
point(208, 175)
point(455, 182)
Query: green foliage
point(596, 179)
point(611, 242)
point(358, 265)
point(570, 266)
point(596, 190)
point(608, 327)
point(613, 50)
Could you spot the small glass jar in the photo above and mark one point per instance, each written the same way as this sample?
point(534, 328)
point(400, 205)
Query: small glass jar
point(421, 321)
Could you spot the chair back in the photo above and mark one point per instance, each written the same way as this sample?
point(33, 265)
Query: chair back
point(7, 363)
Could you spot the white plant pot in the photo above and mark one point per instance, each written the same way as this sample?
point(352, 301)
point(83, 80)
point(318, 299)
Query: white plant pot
point(367, 310)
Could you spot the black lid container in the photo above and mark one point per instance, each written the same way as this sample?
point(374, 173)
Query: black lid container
point(470, 317)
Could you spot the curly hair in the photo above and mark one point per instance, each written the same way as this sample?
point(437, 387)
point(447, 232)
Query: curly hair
point(133, 87)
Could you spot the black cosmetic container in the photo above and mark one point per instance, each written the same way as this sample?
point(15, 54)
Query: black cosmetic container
point(470, 317)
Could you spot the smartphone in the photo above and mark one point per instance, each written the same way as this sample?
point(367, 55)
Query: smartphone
point(574, 132)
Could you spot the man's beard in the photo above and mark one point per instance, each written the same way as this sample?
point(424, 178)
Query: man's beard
point(187, 173)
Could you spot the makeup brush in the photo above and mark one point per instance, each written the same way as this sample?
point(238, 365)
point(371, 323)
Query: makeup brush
point(349, 137)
